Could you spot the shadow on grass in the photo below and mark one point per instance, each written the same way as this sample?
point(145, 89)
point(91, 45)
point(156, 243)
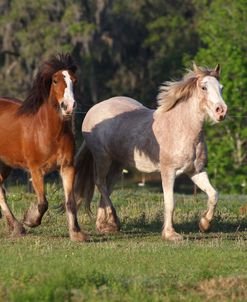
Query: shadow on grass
point(218, 225)
point(136, 230)
point(191, 233)
point(140, 227)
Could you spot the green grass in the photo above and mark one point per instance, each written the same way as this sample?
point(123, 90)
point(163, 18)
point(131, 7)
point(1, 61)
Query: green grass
point(134, 265)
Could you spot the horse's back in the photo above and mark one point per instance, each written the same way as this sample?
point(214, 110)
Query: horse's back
point(6, 101)
point(109, 109)
point(8, 109)
point(11, 131)
point(8, 105)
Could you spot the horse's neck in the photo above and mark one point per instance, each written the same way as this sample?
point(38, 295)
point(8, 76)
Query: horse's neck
point(49, 119)
point(184, 118)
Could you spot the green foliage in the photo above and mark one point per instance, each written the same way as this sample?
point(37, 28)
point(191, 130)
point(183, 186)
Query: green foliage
point(131, 47)
point(123, 47)
point(134, 265)
point(30, 31)
point(223, 33)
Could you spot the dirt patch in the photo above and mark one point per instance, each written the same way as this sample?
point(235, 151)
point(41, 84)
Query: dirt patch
point(223, 289)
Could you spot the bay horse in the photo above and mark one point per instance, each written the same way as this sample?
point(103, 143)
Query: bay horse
point(120, 132)
point(36, 135)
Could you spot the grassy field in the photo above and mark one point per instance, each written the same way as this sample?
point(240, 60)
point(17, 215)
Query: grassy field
point(134, 265)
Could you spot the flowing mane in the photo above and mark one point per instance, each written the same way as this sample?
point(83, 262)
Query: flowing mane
point(41, 86)
point(171, 92)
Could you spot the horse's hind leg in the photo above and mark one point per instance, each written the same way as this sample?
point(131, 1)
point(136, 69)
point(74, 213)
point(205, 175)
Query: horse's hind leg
point(202, 181)
point(106, 174)
point(14, 225)
point(34, 214)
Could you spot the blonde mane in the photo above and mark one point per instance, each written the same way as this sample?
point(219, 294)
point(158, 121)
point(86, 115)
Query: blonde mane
point(172, 92)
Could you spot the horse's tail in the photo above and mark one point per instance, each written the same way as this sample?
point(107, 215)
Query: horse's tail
point(84, 177)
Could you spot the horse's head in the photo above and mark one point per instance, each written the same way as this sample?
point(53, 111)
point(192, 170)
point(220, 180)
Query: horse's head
point(63, 82)
point(210, 93)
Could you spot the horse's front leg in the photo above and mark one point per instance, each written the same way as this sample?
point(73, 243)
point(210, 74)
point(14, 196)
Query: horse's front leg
point(68, 175)
point(15, 226)
point(202, 181)
point(34, 214)
point(168, 178)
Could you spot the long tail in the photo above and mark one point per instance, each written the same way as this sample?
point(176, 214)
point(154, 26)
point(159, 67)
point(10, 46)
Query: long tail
point(84, 178)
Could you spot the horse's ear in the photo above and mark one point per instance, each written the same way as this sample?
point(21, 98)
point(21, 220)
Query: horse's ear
point(196, 69)
point(217, 69)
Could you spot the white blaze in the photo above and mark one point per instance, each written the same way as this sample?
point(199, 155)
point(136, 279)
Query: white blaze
point(68, 92)
point(214, 96)
point(213, 89)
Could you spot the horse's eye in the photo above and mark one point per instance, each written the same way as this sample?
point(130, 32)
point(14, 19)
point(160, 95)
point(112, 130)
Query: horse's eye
point(55, 81)
point(204, 88)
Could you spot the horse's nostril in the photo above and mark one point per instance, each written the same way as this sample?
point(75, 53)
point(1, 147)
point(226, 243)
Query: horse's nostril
point(74, 105)
point(218, 109)
point(63, 106)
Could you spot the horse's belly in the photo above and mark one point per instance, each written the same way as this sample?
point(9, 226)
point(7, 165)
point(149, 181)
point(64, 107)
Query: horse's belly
point(185, 168)
point(49, 166)
point(12, 157)
point(143, 162)
point(12, 163)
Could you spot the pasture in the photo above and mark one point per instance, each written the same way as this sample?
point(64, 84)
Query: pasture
point(134, 265)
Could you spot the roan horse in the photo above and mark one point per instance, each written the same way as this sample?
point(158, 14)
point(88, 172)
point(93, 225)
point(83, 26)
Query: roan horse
point(120, 132)
point(36, 136)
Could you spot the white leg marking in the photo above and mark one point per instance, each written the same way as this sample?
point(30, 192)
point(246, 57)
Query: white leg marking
point(169, 205)
point(202, 181)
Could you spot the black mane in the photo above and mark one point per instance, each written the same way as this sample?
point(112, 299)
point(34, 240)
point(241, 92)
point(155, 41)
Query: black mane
point(41, 86)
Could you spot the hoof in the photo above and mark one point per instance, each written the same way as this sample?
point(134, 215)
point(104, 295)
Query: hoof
point(32, 217)
point(18, 231)
point(107, 221)
point(30, 222)
point(108, 228)
point(172, 236)
point(78, 236)
point(204, 224)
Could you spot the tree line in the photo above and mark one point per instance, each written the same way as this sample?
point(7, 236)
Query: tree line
point(129, 48)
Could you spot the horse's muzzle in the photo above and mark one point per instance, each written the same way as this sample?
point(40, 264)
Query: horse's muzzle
point(220, 112)
point(67, 110)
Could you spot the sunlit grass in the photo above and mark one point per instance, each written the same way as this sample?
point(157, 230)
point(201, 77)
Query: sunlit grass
point(134, 265)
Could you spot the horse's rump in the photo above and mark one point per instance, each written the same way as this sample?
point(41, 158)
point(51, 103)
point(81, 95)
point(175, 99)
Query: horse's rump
point(121, 129)
point(109, 109)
